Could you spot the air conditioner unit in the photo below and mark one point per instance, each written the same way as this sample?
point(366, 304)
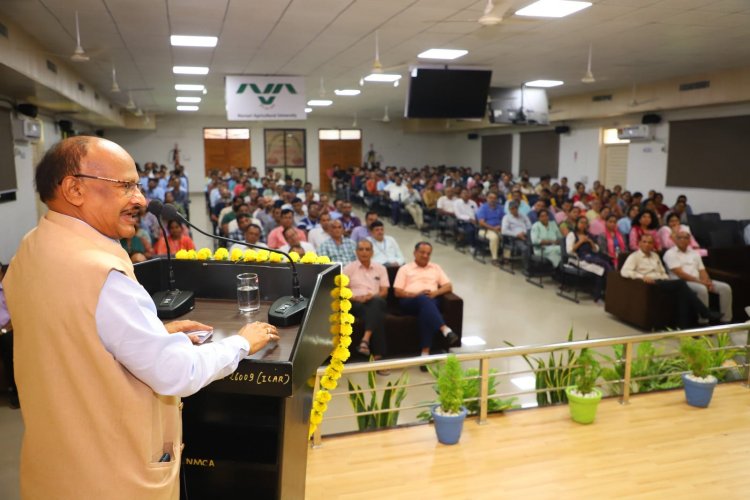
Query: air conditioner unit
point(27, 129)
point(635, 133)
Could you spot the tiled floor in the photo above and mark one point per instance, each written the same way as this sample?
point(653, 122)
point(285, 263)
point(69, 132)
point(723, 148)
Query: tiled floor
point(498, 307)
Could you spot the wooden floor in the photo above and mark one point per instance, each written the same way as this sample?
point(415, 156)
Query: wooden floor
point(656, 447)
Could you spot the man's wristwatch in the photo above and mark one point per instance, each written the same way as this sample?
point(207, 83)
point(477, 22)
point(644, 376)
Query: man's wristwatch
point(3, 331)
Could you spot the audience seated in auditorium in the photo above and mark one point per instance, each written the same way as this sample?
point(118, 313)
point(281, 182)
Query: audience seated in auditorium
point(300, 211)
point(430, 196)
point(348, 220)
point(539, 206)
point(686, 264)
point(581, 244)
point(177, 240)
point(153, 190)
point(275, 238)
point(369, 283)
point(419, 286)
point(625, 224)
point(646, 222)
point(598, 224)
point(319, 233)
point(412, 205)
point(546, 237)
point(645, 264)
point(312, 219)
point(515, 225)
point(490, 219)
point(386, 250)
point(363, 232)
point(611, 243)
point(292, 240)
point(445, 203)
point(569, 224)
point(667, 234)
point(680, 210)
point(465, 210)
point(517, 196)
point(338, 247)
point(252, 235)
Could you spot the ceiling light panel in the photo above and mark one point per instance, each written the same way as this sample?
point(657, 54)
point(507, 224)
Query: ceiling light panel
point(544, 83)
point(552, 8)
point(308, 110)
point(382, 77)
point(443, 54)
point(193, 41)
point(193, 100)
point(189, 87)
point(319, 102)
point(347, 92)
point(190, 70)
point(187, 108)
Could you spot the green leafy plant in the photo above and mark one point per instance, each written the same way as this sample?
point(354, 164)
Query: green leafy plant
point(658, 371)
point(554, 374)
point(393, 396)
point(450, 385)
point(697, 356)
point(721, 355)
point(587, 372)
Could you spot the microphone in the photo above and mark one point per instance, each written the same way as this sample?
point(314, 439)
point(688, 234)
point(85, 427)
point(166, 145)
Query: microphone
point(173, 302)
point(287, 310)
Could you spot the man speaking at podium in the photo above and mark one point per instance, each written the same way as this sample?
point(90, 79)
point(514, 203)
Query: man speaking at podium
point(99, 376)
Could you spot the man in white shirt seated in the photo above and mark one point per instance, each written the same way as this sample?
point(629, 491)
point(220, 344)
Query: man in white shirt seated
point(445, 203)
point(466, 213)
point(292, 239)
point(319, 233)
point(684, 263)
point(385, 248)
point(252, 236)
point(515, 225)
point(645, 264)
point(397, 193)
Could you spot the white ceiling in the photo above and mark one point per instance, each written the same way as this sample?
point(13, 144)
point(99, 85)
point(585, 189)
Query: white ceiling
point(634, 41)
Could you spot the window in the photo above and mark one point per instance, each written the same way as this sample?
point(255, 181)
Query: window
point(226, 133)
point(339, 134)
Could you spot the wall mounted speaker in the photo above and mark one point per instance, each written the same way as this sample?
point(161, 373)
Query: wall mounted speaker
point(65, 125)
point(473, 136)
point(650, 119)
point(28, 109)
point(562, 129)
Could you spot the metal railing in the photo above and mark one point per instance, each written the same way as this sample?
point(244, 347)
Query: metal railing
point(484, 357)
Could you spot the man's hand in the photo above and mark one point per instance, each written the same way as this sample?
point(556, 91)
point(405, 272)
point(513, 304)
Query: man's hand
point(648, 280)
point(521, 236)
point(258, 335)
point(186, 326)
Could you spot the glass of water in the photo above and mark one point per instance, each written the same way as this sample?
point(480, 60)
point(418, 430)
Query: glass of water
point(248, 292)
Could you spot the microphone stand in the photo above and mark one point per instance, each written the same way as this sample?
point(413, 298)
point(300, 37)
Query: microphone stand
point(286, 310)
point(173, 302)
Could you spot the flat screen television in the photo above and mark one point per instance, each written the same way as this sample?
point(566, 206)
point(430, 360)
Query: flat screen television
point(447, 93)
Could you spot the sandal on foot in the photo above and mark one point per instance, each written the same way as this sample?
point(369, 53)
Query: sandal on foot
point(364, 348)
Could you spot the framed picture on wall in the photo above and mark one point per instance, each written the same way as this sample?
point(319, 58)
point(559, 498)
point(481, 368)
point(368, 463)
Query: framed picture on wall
point(285, 148)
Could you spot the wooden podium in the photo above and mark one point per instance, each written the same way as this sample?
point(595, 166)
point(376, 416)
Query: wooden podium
point(246, 435)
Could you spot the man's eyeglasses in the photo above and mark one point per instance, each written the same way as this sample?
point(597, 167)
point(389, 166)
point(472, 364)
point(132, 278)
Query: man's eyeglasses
point(130, 187)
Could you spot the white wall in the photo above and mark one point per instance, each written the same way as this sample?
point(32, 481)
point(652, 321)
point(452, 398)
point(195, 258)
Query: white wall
point(579, 155)
point(396, 148)
point(19, 217)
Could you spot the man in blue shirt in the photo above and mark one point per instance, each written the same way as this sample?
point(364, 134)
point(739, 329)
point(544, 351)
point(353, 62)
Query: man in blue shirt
point(490, 218)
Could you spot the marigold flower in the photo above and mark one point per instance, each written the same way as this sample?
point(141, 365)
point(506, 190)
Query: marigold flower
point(335, 329)
point(323, 259)
point(235, 255)
point(294, 255)
point(191, 254)
point(341, 353)
point(323, 396)
point(203, 254)
point(336, 293)
point(249, 255)
point(315, 417)
point(320, 407)
point(221, 254)
point(181, 254)
point(327, 382)
point(346, 318)
point(345, 341)
point(309, 258)
point(334, 318)
point(262, 255)
point(335, 305)
point(345, 305)
point(341, 280)
point(275, 257)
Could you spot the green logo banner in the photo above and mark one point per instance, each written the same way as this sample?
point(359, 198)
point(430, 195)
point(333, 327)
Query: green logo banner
point(265, 98)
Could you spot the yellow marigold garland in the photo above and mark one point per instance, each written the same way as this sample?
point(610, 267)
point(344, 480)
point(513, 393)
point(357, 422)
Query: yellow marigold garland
point(259, 255)
point(341, 329)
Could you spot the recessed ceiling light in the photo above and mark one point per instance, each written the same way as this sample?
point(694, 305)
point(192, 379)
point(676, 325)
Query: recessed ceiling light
point(189, 99)
point(382, 77)
point(193, 41)
point(347, 92)
point(187, 108)
point(444, 54)
point(319, 102)
point(190, 70)
point(552, 8)
point(544, 83)
point(190, 87)
point(308, 110)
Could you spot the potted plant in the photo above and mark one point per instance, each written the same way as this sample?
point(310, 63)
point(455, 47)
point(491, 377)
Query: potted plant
point(699, 383)
point(449, 413)
point(584, 397)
